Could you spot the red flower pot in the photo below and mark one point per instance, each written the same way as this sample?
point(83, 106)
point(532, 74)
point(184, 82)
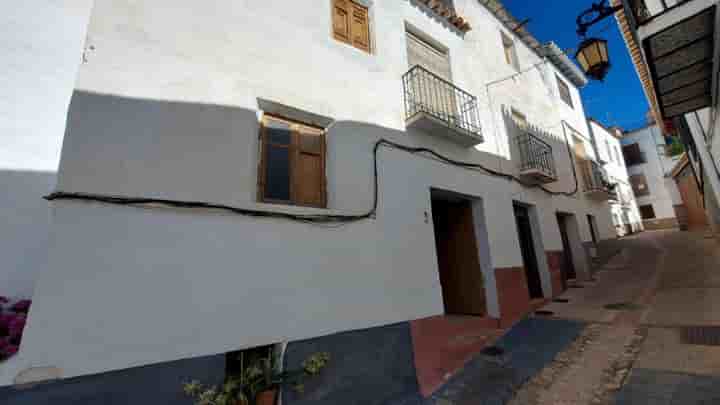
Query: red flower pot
point(266, 397)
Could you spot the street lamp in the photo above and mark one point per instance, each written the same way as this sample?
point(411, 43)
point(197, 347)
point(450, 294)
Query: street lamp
point(592, 53)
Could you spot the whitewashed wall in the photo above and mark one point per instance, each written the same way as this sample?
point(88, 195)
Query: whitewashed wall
point(617, 172)
point(41, 44)
point(663, 190)
point(166, 106)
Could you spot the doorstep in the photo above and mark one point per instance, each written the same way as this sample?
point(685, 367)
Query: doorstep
point(443, 344)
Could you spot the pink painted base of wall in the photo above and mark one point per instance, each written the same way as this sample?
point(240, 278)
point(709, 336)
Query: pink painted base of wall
point(513, 294)
point(443, 344)
point(554, 261)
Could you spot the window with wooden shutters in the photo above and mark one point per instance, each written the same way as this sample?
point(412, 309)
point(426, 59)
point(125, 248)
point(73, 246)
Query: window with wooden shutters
point(647, 211)
point(351, 24)
point(564, 91)
point(639, 185)
point(292, 164)
point(633, 155)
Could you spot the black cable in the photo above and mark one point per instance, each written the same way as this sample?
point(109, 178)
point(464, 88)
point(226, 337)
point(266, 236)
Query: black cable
point(309, 218)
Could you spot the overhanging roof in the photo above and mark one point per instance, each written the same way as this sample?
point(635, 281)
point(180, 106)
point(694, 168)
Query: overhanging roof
point(566, 66)
point(556, 56)
point(680, 58)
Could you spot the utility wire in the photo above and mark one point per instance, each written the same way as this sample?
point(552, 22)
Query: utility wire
point(310, 218)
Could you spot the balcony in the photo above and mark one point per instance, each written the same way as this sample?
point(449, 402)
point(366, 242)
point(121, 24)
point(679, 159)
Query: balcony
point(645, 10)
point(436, 106)
point(676, 39)
point(596, 183)
point(537, 163)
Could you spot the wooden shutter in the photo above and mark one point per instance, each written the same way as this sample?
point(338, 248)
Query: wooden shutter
point(360, 27)
point(421, 52)
point(633, 154)
point(564, 90)
point(639, 185)
point(275, 169)
point(309, 167)
point(292, 163)
point(341, 20)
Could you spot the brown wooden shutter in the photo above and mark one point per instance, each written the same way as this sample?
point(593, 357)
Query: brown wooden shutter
point(309, 167)
point(360, 27)
point(341, 20)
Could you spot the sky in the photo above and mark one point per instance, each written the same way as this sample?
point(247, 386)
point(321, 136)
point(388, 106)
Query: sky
point(619, 99)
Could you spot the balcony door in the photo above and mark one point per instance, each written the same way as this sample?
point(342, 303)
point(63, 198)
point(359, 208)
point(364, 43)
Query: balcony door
point(440, 98)
point(431, 57)
point(581, 158)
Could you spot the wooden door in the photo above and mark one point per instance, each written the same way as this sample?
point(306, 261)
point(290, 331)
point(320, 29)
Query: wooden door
point(568, 265)
point(527, 249)
point(458, 262)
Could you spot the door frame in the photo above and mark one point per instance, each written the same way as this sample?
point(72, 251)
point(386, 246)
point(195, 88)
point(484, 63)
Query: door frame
point(482, 240)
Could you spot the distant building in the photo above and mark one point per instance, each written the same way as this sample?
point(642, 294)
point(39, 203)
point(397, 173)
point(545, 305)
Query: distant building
point(624, 209)
point(650, 168)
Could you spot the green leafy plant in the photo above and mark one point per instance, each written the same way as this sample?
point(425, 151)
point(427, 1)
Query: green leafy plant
point(261, 375)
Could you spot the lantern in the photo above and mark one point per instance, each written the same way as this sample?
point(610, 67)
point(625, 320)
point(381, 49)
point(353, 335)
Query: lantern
point(593, 57)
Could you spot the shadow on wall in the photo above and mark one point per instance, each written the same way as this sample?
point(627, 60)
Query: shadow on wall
point(24, 226)
point(561, 158)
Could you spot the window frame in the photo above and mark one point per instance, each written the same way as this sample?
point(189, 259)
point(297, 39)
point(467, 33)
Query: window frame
point(562, 85)
point(635, 180)
point(642, 214)
point(361, 4)
point(632, 147)
point(293, 150)
point(508, 43)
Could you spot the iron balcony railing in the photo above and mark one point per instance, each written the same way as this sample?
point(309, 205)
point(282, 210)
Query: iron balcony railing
point(428, 93)
point(645, 10)
point(536, 154)
point(595, 177)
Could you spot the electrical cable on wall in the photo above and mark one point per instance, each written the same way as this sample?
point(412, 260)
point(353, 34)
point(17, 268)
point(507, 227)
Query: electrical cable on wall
point(310, 218)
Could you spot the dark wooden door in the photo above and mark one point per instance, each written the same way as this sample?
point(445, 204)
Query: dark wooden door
point(568, 268)
point(460, 273)
point(527, 248)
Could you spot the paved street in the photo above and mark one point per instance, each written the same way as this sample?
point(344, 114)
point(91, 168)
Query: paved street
point(635, 348)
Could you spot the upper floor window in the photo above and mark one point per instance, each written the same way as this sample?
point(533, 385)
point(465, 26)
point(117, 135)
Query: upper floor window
point(292, 163)
point(633, 154)
point(520, 119)
point(564, 91)
point(351, 24)
point(510, 51)
point(647, 211)
point(609, 150)
point(639, 185)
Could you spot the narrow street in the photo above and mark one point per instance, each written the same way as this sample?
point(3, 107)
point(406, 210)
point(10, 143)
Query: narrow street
point(652, 334)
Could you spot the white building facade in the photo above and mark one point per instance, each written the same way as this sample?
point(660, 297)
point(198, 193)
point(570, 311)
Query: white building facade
point(650, 168)
point(184, 223)
point(42, 49)
point(675, 46)
point(624, 208)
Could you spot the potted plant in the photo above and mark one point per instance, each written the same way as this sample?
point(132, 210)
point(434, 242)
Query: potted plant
point(257, 384)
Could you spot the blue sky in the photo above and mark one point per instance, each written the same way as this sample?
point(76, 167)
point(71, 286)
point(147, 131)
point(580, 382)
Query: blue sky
point(619, 100)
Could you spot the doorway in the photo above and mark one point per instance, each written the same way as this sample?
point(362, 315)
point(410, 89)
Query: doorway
point(567, 268)
point(461, 276)
point(593, 228)
point(527, 249)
